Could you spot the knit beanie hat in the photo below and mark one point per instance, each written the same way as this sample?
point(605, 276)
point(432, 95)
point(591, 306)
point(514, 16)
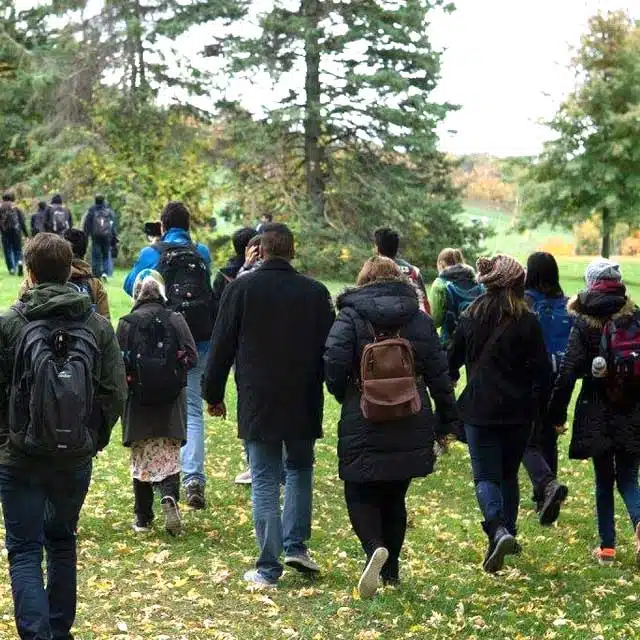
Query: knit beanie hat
point(602, 269)
point(149, 285)
point(500, 272)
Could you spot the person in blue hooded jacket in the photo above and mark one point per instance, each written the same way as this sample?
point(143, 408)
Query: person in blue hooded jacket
point(175, 222)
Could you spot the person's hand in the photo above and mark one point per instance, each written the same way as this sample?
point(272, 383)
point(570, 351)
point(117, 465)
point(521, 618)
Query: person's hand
point(561, 428)
point(217, 410)
point(251, 255)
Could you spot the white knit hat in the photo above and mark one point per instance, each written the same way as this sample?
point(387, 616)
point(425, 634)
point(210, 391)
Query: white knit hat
point(602, 269)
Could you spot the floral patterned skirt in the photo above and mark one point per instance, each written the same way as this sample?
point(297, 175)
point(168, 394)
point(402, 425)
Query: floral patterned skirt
point(155, 459)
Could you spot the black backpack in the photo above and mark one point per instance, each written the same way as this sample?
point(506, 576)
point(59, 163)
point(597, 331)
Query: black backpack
point(155, 370)
point(101, 225)
point(59, 220)
point(188, 286)
point(10, 220)
point(52, 390)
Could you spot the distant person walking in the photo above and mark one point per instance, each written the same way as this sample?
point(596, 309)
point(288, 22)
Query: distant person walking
point(273, 325)
point(378, 458)
point(12, 228)
point(58, 218)
point(387, 244)
point(452, 292)
point(158, 349)
point(544, 295)
point(100, 226)
point(39, 219)
point(603, 350)
point(267, 218)
point(501, 343)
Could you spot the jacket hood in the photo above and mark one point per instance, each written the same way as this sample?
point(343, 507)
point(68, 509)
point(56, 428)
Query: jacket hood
point(179, 236)
point(48, 299)
point(391, 303)
point(81, 268)
point(597, 308)
point(458, 273)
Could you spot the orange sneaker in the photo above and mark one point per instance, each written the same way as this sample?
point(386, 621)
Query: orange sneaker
point(638, 545)
point(605, 557)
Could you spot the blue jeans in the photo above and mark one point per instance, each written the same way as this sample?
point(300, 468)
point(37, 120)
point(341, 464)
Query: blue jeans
point(101, 261)
point(192, 454)
point(291, 530)
point(12, 247)
point(41, 510)
point(621, 469)
point(496, 454)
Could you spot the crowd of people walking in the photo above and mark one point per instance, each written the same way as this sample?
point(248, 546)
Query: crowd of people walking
point(66, 377)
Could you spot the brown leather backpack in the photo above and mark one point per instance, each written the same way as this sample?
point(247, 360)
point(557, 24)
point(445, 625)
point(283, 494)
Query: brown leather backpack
point(388, 379)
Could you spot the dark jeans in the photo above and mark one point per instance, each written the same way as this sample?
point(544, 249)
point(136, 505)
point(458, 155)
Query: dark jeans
point(378, 516)
point(101, 257)
point(12, 247)
point(541, 461)
point(143, 495)
point(41, 510)
point(620, 469)
point(496, 454)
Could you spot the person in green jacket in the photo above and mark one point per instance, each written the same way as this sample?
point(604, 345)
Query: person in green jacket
point(42, 485)
point(452, 292)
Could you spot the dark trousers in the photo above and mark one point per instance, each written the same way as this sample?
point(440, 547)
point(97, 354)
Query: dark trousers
point(496, 453)
point(378, 516)
point(541, 461)
point(12, 247)
point(101, 262)
point(621, 470)
point(143, 495)
point(41, 510)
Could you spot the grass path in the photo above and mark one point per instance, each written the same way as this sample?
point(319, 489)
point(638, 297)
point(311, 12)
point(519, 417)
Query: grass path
point(157, 588)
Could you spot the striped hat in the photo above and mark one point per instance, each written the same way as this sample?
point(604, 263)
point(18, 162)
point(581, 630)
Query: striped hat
point(500, 272)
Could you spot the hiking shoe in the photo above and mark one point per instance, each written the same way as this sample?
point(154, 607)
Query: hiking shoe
point(368, 583)
point(141, 525)
point(244, 477)
point(172, 522)
point(501, 545)
point(195, 495)
point(554, 495)
point(302, 563)
point(638, 545)
point(256, 579)
point(605, 557)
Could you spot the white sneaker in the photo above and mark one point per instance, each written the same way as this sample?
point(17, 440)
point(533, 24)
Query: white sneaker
point(172, 521)
point(302, 563)
point(244, 477)
point(368, 584)
point(255, 578)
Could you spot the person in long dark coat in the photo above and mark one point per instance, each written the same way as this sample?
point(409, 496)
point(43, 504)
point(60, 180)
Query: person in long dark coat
point(155, 433)
point(607, 433)
point(273, 324)
point(377, 461)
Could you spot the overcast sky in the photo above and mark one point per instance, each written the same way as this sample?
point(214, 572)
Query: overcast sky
point(505, 63)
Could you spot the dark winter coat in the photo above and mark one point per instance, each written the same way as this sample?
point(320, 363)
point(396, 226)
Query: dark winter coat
point(597, 426)
point(20, 229)
point(110, 386)
point(273, 324)
point(401, 449)
point(225, 276)
point(140, 422)
point(511, 382)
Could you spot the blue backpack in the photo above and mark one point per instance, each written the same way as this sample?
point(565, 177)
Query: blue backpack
point(459, 299)
point(556, 324)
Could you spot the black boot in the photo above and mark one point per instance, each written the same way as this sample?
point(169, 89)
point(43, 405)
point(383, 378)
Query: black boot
point(501, 544)
point(554, 495)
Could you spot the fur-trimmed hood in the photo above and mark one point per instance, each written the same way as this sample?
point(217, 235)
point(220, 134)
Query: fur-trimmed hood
point(597, 309)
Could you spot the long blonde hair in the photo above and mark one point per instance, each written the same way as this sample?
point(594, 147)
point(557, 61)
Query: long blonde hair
point(378, 268)
point(448, 258)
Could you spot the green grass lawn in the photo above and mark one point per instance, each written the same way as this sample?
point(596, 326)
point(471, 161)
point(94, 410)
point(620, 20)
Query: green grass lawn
point(154, 587)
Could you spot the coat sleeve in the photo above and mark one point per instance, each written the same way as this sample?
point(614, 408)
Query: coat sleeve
point(148, 259)
point(186, 342)
point(111, 390)
point(573, 367)
point(101, 298)
point(541, 366)
point(438, 300)
point(457, 352)
point(340, 355)
point(224, 344)
point(22, 223)
point(431, 363)
point(219, 284)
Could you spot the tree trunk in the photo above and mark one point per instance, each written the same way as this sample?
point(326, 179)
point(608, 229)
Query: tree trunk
point(607, 227)
point(313, 150)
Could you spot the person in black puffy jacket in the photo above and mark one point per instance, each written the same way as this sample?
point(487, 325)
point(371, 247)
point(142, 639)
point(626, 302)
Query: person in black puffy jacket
point(377, 461)
point(606, 433)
